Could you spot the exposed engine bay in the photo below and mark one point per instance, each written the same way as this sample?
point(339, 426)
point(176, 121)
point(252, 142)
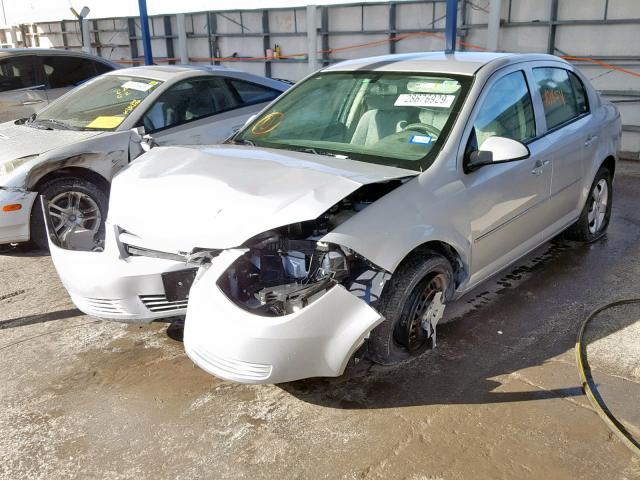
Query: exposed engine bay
point(287, 268)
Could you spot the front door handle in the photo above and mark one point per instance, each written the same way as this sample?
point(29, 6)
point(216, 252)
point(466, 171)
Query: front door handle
point(538, 167)
point(32, 102)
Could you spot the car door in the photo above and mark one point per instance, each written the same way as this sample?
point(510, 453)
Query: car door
point(569, 132)
point(21, 87)
point(506, 202)
point(202, 110)
point(64, 72)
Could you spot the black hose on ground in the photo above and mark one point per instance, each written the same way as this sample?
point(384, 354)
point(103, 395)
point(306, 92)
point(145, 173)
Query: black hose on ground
point(589, 386)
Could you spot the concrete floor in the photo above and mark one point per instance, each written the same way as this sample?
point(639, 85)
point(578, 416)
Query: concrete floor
point(499, 398)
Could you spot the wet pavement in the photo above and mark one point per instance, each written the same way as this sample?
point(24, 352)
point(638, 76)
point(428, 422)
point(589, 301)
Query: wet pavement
point(499, 398)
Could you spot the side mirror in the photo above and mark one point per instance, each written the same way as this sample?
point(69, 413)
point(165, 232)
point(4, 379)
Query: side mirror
point(146, 141)
point(496, 150)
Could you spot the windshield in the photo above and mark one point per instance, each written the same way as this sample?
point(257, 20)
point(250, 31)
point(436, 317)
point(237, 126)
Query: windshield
point(395, 119)
point(102, 104)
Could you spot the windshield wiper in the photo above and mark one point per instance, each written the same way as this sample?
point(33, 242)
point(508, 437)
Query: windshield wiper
point(319, 152)
point(51, 123)
point(242, 141)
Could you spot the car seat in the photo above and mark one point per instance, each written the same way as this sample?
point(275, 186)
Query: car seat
point(381, 120)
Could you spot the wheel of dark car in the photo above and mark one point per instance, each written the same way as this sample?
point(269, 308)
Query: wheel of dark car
point(404, 303)
point(74, 204)
point(594, 219)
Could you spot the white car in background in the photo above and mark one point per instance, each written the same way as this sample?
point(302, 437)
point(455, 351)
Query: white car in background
point(70, 151)
point(352, 210)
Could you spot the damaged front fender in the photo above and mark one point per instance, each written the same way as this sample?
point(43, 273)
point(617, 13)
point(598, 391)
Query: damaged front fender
point(237, 345)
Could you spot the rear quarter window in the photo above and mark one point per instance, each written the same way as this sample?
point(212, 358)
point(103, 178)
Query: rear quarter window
point(251, 93)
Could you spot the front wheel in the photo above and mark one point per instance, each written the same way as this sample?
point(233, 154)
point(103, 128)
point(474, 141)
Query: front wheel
point(404, 303)
point(594, 218)
point(73, 204)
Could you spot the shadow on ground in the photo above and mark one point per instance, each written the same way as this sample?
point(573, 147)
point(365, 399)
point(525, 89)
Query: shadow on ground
point(40, 318)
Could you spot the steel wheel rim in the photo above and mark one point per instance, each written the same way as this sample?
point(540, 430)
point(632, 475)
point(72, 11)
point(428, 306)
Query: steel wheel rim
point(598, 209)
point(72, 210)
point(408, 332)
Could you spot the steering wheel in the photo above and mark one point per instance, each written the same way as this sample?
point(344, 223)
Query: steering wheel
point(421, 127)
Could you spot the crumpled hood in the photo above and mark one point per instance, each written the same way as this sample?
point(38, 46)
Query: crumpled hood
point(179, 198)
point(17, 141)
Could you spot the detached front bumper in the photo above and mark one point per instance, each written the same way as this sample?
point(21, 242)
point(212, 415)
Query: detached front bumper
point(234, 344)
point(14, 224)
point(114, 285)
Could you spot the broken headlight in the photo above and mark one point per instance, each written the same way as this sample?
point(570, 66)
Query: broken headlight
point(279, 276)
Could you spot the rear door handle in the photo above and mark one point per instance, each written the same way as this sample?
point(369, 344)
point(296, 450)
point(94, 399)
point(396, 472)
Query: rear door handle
point(590, 139)
point(538, 167)
point(32, 102)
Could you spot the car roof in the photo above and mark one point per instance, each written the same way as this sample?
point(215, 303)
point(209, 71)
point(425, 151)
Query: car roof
point(9, 52)
point(179, 72)
point(461, 63)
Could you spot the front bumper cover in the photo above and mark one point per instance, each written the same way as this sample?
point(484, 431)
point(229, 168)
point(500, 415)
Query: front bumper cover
point(14, 225)
point(115, 286)
point(234, 344)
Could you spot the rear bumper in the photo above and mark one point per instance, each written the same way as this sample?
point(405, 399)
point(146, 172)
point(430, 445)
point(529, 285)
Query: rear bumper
point(234, 344)
point(14, 225)
point(114, 285)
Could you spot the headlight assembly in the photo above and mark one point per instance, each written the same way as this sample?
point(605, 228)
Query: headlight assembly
point(279, 276)
point(10, 165)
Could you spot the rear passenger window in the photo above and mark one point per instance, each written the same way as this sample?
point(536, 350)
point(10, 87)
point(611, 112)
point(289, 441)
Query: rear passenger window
point(102, 68)
point(558, 97)
point(507, 111)
point(250, 93)
point(65, 71)
point(18, 72)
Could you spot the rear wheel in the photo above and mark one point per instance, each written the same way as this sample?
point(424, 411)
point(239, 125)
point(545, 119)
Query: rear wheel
point(594, 219)
point(73, 204)
point(404, 303)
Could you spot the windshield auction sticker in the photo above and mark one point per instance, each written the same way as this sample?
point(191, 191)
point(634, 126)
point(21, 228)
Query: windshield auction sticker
point(424, 100)
point(141, 87)
point(106, 122)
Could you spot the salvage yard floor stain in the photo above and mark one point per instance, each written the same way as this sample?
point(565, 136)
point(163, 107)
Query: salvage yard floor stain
point(85, 399)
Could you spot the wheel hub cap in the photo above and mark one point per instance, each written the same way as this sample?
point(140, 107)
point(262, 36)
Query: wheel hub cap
point(73, 211)
point(598, 209)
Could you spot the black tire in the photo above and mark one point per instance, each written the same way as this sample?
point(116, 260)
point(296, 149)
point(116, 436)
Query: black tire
point(400, 335)
point(584, 229)
point(54, 188)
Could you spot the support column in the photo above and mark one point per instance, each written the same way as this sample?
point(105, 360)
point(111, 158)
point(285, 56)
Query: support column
point(553, 17)
point(86, 35)
point(451, 26)
point(183, 50)
point(312, 38)
point(146, 36)
point(493, 30)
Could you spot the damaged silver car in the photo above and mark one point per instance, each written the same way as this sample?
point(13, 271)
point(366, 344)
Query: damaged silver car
point(352, 210)
point(70, 151)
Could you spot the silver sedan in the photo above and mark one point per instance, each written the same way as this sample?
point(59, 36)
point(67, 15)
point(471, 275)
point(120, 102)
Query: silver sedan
point(353, 210)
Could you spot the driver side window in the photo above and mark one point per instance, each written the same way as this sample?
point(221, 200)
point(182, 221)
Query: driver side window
point(507, 111)
point(188, 101)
